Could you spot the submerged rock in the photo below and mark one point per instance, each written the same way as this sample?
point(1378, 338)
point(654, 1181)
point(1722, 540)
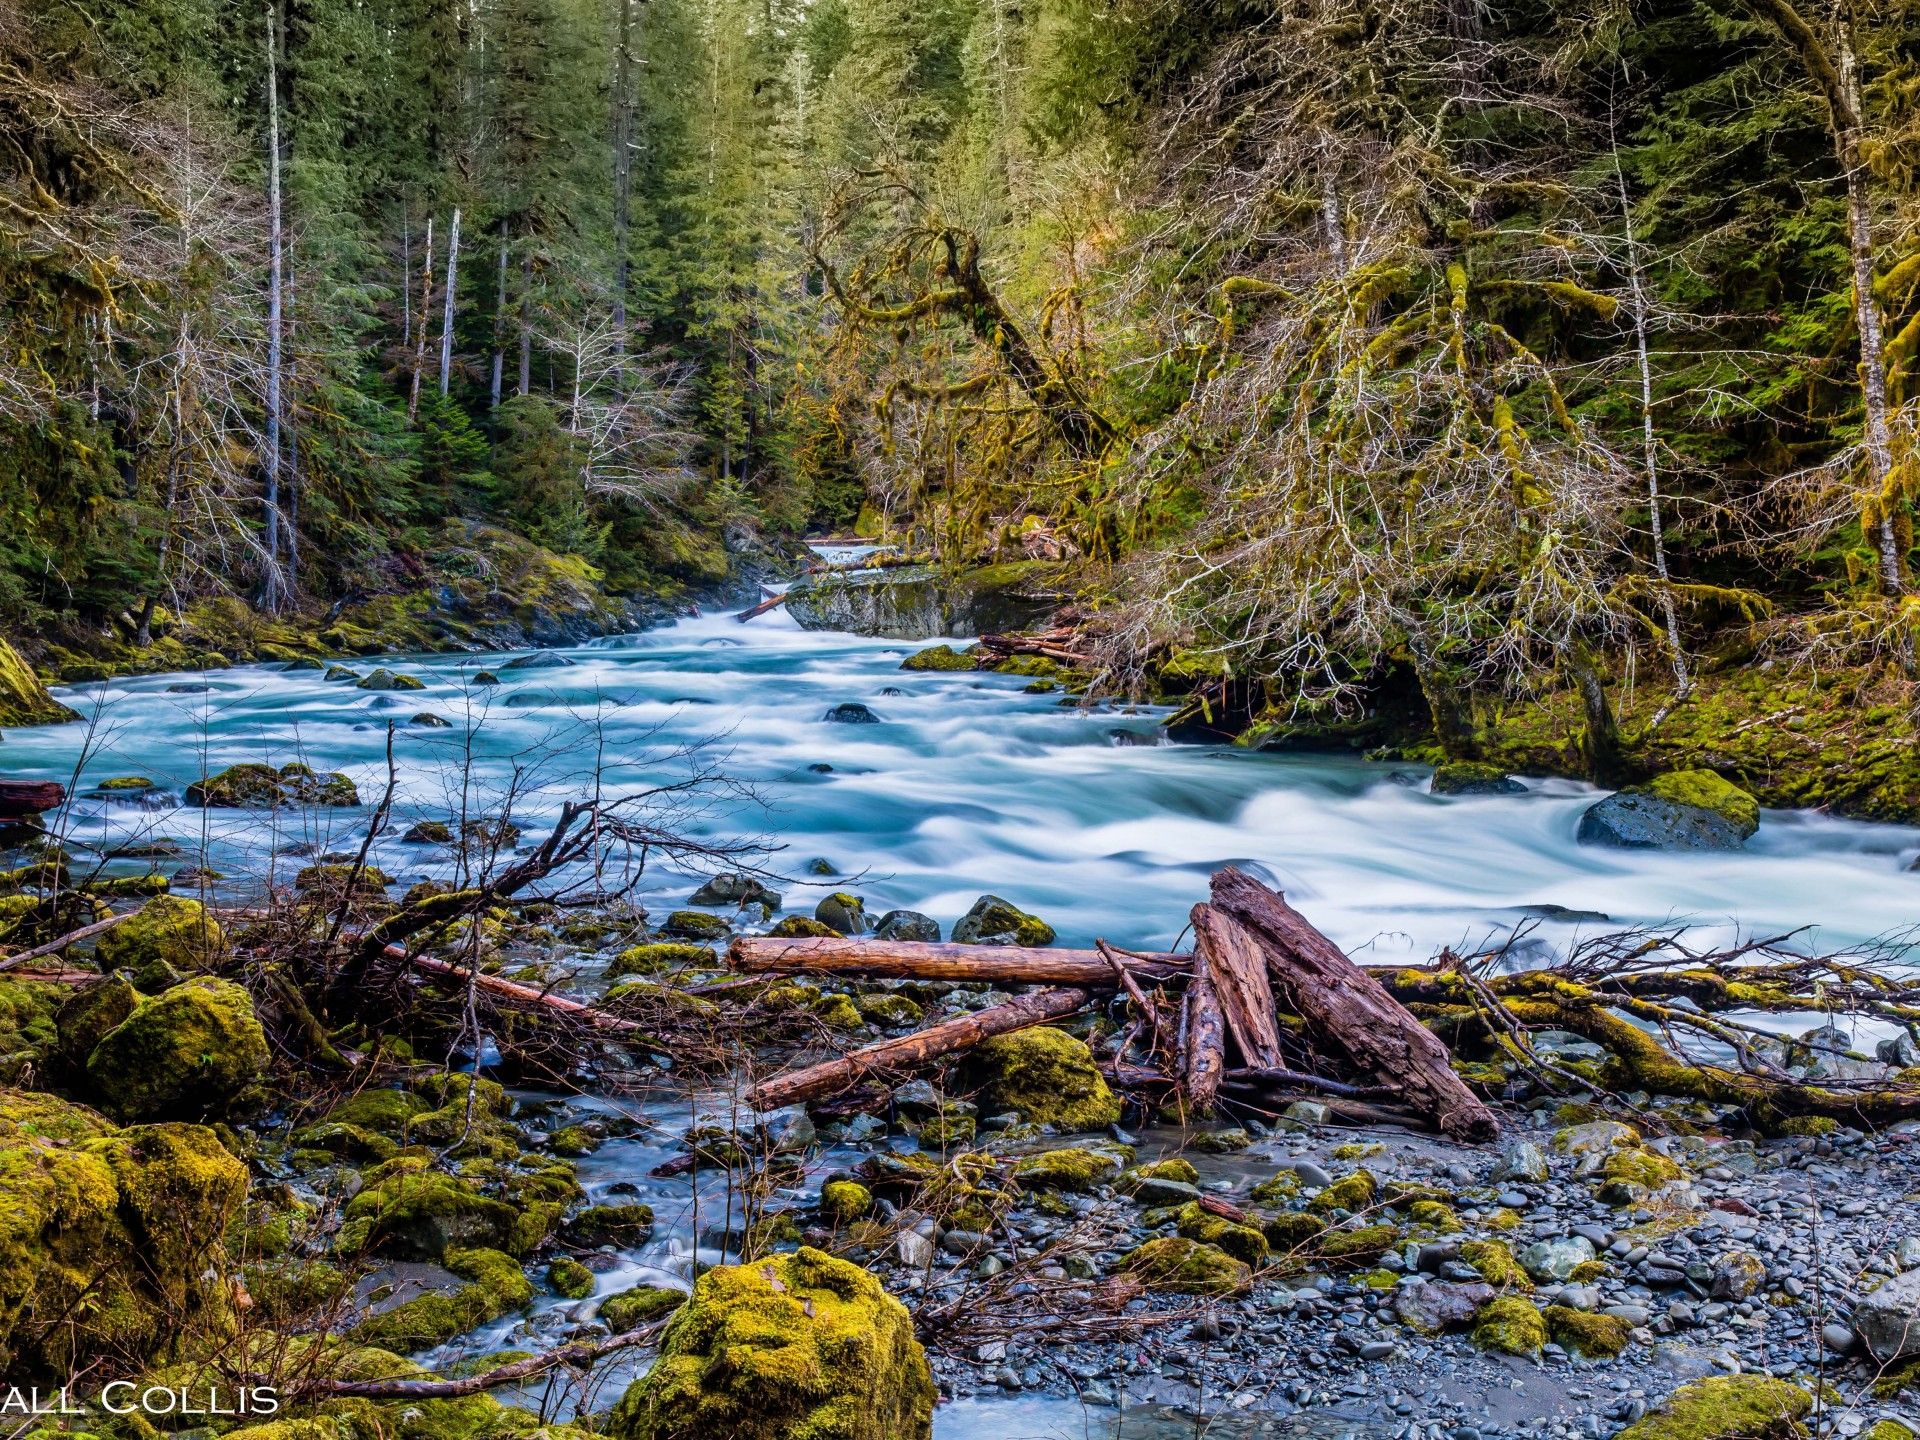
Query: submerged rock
point(993, 921)
point(1470, 777)
point(851, 712)
point(261, 787)
point(793, 1345)
point(1681, 810)
point(192, 1052)
point(734, 888)
point(1045, 1074)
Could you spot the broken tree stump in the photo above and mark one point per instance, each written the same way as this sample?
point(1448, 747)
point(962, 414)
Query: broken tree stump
point(1346, 1006)
point(910, 1052)
point(1239, 969)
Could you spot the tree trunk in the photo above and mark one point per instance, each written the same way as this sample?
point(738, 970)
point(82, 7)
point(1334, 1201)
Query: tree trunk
point(419, 342)
point(911, 1052)
point(275, 241)
point(1452, 730)
point(1605, 761)
point(499, 324)
point(1203, 1042)
point(446, 322)
point(915, 960)
point(622, 178)
point(1344, 1005)
point(526, 324)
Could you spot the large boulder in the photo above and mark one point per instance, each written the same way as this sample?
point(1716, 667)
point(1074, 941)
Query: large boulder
point(191, 1052)
point(993, 921)
point(110, 1240)
point(1726, 1407)
point(1047, 1075)
point(1681, 810)
point(917, 602)
point(1887, 1320)
point(24, 700)
point(793, 1345)
point(168, 930)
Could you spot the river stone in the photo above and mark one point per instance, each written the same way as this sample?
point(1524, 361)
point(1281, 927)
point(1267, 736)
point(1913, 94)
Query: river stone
point(1556, 1259)
point(1522, 1161)
point(1737, 1274)
point(539, 660)
point(1887, 1320)
point(993, 921)
point(1596, 1137)
point(733, 888)
point(1441, 1305)
point(850, 712)
point(1469, 777)
point(1683, 810)
point(843, 913)
point(1899, 1051)
point(1151, 1191)
point(907, 925)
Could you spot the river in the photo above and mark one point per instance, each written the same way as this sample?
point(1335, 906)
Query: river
point(967, 783)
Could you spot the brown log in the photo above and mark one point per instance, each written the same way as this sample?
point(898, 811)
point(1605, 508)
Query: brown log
point(772, 602)
point(920, 960)
point(1203, 1039)
point(1239, 968)
point(29, 797)
point(1025, 645)
point(1343, 1004)
point(575, 1010)
point(911, 1052)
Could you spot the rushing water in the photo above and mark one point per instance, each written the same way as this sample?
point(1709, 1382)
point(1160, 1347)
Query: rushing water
point(968, 783)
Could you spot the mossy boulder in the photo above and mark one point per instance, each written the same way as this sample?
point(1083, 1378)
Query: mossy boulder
point(569, 1278)
point(1726, 1407)
point(195, 1051)
point(1355, 1247)
point(652, 958)
point(1510, 1325)
point(620, 1225)
point(1632, 1173)
point(24, 698)
point(385, 679)
point(889, 1010)
point(918, 602)
point(1496, 1264)
point(261, 787)
point(695, 925)
point(1680, 810)
point(428, 832)
point(844, 1201)
point(1471, 777)
point(842, 913)
point(1352, 1193)
point(495, 1286)
point(1186, 1267)
point(791, 1346)
point(84, 1018)
point(111, 1241)
point(1070, 1169)
point(1243, 1242)
point(167, 930)
point(1588, 1336)
point(633, 1308)
point(412, 1211)
point(938, 657)
point(802, 927)
point(993, 921)
point(1047, 1075)
point(384, 1111)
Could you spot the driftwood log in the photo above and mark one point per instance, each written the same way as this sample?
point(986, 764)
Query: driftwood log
point(22, 798)
point(1345, 1005)
point(1239, 970)
point(1203, 1038)
point(772, 602)
point(971, 964)
point(911, 1052)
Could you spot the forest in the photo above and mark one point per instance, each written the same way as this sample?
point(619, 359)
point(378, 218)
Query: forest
point(1521, 380)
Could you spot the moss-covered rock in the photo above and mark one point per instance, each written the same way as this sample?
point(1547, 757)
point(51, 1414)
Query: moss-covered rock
point(569, 1278)
point(1291, 1231)
point(1070, 1169)
point(633, 1308)
point(385, 1111)
point(1496, 1264)
point(802, 927)
point(619, 1225)
point(495, 1286)
point(1277, 1189)
point(889, 1010)
point(798, 1345)
point(251, 786)
point(1243, 1242)
point(24, 699)
point(938, 657)
point(385, 679)
point(1471, 777)
point(167, 930)
point(1511, 1325)
point(695, 925)
point(993, 921)
point(1045, 1074)
point(193, 1052)
point(1632, 1173)
point(111, 1241)
point(844, 1201)
point(1726, 1407)
point(1680, 810)
point(428, 832)
point(414, 1212)
point(1352, 1193)
point(1588, 1336)
point(1186, 1267)
point(1361, 1246)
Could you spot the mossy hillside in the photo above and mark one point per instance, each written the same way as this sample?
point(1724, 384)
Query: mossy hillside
point(1727, 1407)
point(1045, 1074)
point(111, 1241)
point(168, 930)
point(796, 1345)
point(195, 1051)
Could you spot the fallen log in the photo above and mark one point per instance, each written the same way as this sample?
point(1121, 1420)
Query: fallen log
point(772, 602)
point(576, 1010)
point(1024, 645)
point(72, 937)
point(1349, 1008)
point(1239, 969)
point(21, 798)
point(1203, 1039)
point(922, 960)
point(911, 1052)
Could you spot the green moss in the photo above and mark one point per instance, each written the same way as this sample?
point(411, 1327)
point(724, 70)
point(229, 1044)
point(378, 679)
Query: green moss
point(1186, 1267)
point(793, 1346)
point(384, 679)
point(1357, 1247)
point(195, 1051)
point(1726, 1407)
point(1707, 791)
point(24, 699)
point(1243, 1242)
point(844, 1201)
point(994, 921)
point(619, 1225)
point(348, 1142)
point(802, 927)
point(167, 930)
point(1496, 1265)
point(1432, 1215)
point(838, 1011)
point(633, 1308)
point(1352, 1193)
point(413, 1212)
point(496, 1286)
point(1510, 1325)
point(385, 1111)
point(947, 1132)
point(651, 959)
point(938, 657)
point(573, 1140)
point(1172, 1168)
point(1588, 1336)
point(1277, 1189)
point(1587, 1271)
point(261, 787)
point(1806, 1126)
point(1630, 1174)
point(569, 1278)
point(1045, 1074)
point(331, 881)
point(695, 925)
point(1071, 1169)
point(891, 1011)
point(1291, 1230)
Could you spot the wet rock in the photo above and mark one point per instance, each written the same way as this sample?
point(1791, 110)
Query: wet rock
point(1307, 1112)
point(919, 602)
point(1556, 1259)
point(734, 888)
point(1681, 810)
point(938, 657)
point(694, 925)
point(261, 787)
point(1887, 1319)
point(993, 921)
point(385, 679)
point(495, 1286)
point(788, 1131)
point(428, 832)
point(907, 925)
point(1045, 1074)
point(633, 1308)
point(539, 660)
point(193, 1052)
point(798, 1344)
point(842, 913)
point(1440, 1305)
point(850, 712)
point(1467, 777)
point(1523, 1160)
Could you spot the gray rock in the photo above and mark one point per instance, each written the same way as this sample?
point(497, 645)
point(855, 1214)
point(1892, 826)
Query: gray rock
point(1887, 1320)
point(1307, 1112)
point(917, 602)
point(1736, 1274)
point(1312, 1176)
point(1634, 821)
point(1899, 1051)
point(907, 925)
point(1555, 1259)
point(914, 1249)
point(842, 912)
point(1837, 1338)
point(917, 1099)
point(1523, 1161)
point(1151, 1191)
point(734, 888)
point(539, 660)
point(787, 1131)
point(850, 712)
point(1440, 1304)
